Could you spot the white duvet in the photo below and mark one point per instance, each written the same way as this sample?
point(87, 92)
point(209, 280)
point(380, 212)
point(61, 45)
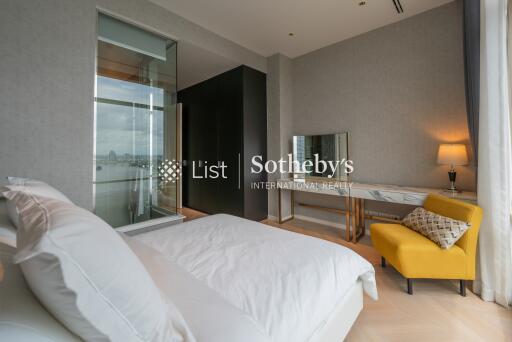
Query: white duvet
point(287, 284)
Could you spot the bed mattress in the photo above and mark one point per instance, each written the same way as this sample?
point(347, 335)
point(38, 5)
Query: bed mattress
point(234, 274)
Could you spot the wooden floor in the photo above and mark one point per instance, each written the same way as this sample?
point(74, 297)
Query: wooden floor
point(436, 312)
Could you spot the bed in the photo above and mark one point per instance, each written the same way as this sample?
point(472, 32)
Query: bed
point(233, 280)
point(275, 283)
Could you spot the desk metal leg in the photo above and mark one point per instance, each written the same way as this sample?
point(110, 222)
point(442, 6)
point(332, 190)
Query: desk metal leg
point(357, 214)
point(292, 204)
point(353, 214)
point(347, 218)
point(279, 217)
point(363, 218)
point(358, 219)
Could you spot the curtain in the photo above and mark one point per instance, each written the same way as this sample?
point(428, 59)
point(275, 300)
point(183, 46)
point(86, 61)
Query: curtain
point(494, 279)
point(472, 69)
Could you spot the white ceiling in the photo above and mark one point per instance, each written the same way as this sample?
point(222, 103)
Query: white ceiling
point(263, 25)
point(196, 64)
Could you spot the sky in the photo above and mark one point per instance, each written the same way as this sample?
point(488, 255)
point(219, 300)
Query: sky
point(125, 129)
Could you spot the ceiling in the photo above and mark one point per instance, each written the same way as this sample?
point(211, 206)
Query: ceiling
point(196, 64)
point(263, 26)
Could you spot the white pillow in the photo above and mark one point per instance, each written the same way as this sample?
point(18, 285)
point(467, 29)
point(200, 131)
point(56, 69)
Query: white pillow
point(35, 187)
point(12, 213)
point(87, 277)
point(7, 228)
point(32, 186)
point(22, 317)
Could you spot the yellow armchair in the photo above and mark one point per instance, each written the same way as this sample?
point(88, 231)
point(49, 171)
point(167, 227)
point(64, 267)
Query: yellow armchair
point(415, 256)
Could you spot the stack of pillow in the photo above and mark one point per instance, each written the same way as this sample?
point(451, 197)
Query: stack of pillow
point(82, 272)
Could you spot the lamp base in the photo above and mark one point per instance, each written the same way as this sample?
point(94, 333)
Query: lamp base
point(452, 175)
point(452, 191)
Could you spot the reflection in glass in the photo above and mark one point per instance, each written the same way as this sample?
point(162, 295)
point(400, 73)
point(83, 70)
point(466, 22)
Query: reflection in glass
point(328, 147)
point(135, 128)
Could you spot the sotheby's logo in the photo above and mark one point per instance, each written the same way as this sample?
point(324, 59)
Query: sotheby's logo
point(307, 167)
point(316, 166)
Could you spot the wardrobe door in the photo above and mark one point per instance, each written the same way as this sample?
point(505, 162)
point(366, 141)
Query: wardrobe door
point(190, 114)
point(199, 145)
point(230, 130)
point(209, 147)
point(255, 142)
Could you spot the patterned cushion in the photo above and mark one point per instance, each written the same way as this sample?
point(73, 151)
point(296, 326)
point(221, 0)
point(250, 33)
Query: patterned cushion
point(441, 229)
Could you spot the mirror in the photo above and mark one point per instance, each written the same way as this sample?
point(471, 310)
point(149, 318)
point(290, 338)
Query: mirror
point(328, 148)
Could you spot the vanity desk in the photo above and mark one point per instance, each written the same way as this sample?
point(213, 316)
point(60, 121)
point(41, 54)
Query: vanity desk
point(354, 195)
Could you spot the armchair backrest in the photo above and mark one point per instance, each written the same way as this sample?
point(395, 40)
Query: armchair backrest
point(461, 211)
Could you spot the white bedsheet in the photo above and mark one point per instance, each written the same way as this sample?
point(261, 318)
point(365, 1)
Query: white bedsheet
point(289, 284)
point(210, 317)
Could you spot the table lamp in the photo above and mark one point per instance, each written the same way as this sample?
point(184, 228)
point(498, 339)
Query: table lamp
point(453, 155)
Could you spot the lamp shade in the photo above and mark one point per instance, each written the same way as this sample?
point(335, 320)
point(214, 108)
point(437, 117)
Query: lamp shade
point(452, 154)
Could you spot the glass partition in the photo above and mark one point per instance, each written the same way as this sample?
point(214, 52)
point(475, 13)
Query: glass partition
point(135, 124)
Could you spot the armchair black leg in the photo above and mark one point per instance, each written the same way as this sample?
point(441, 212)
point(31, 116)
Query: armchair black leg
point(463, 288)
point(409, 286)
point(383, 262)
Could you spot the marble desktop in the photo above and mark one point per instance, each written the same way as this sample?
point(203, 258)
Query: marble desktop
point(376, 192)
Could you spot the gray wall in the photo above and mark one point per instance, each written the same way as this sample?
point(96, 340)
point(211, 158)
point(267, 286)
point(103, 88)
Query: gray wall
point(398, 91)
point(47, 49)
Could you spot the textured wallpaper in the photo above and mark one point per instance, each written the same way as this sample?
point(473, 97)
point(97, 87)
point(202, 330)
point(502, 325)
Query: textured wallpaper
point(47, 93)
point(399, 92)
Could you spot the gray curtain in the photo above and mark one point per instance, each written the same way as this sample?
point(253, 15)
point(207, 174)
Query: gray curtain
point(472, 69)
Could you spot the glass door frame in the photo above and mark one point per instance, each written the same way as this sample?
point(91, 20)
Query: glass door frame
point(172, 216)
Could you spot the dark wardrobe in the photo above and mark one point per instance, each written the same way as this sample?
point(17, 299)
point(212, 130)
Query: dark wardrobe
point(225, 120)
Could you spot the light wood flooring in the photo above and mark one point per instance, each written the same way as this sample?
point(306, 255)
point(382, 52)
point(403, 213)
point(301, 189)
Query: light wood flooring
point(436, 312)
